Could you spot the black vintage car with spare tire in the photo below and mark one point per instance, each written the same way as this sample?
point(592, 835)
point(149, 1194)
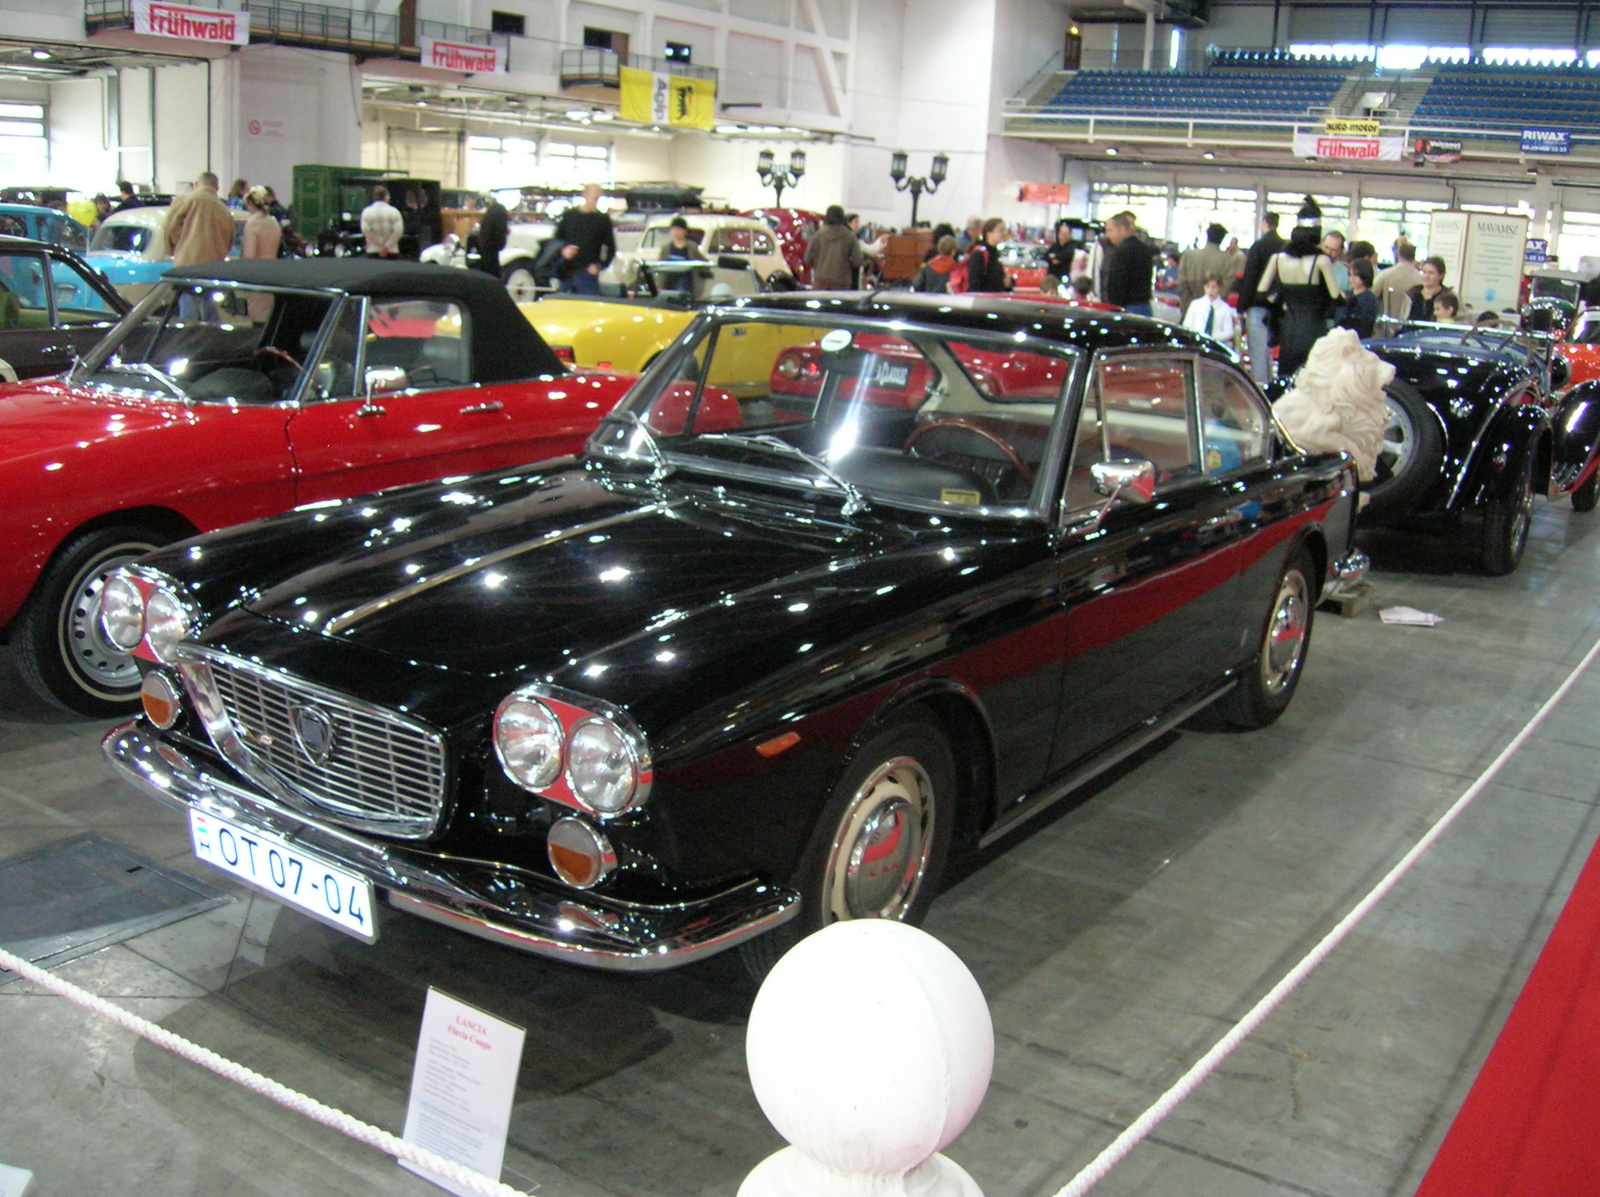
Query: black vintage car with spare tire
point(1478, 426)
point(845, 585)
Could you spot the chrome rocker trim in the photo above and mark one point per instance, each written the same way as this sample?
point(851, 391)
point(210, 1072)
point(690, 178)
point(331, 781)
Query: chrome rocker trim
point(526, 911)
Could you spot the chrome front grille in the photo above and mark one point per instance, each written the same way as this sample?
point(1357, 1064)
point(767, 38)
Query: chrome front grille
point(381, 771)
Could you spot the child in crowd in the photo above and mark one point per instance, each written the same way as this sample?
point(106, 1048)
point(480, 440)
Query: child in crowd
point(1446, 308)
point(1210, 313)
point(1361, 308)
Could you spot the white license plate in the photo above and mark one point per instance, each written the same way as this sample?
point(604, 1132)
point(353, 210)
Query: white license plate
point(273, 865)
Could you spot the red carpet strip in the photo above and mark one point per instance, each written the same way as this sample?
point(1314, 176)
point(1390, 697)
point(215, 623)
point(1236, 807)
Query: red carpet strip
point(1530, 1126)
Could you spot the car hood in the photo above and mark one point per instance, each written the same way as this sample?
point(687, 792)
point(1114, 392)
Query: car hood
point(612, 590)
point(49, 416)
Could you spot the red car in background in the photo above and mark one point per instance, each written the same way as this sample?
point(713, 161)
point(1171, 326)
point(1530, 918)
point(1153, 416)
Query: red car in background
point(242, 389)
point(1024, 263)
point(793, 227)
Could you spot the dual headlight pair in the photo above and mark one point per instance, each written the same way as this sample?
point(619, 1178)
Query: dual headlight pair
point(571, 754)
point(152, 613)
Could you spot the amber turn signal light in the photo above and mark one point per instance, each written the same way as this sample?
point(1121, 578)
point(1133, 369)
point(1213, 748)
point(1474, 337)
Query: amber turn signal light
point(778, 744)
point(160, 699)
point(579, 854)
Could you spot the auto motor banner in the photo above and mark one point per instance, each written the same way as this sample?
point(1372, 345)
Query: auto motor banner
point(192, 24)
point(1370, 149)
point(463, 56)
point(654, 98)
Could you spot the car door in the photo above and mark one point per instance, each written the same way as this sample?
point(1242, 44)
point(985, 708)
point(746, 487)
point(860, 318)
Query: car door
point(84, 309)
point(1149, 589)
point(425, 418)
point(32, 341)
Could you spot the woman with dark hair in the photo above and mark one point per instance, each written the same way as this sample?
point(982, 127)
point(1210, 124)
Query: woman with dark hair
point(984, 271)
point(1299, 280)
point(1422, 295)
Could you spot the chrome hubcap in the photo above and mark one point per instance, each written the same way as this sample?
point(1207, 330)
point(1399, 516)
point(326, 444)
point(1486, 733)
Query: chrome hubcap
point(1399, 437)
point(520, 284)
point(1286, 634)
point(880, 851)
point(100, 666)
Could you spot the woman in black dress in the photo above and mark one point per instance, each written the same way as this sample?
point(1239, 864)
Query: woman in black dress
point(1300, 282)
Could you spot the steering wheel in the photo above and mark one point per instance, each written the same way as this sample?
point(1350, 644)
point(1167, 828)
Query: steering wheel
point(1024, 473)
point(274, 351)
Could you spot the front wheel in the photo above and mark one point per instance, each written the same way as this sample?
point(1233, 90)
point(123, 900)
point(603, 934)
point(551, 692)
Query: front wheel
point(880, 846)
point(1268, 683)
point(1505, 526)
point(59, 645)
point(1411, 454)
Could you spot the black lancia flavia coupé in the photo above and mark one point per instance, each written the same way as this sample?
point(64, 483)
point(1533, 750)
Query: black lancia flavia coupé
point(843, 585)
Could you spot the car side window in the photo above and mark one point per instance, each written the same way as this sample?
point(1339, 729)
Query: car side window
point(427, 338)
point(77, 300)
point(12, 226)
point(334, 375)
point(1235, 427)
point(24, 302)
point(1138, 408)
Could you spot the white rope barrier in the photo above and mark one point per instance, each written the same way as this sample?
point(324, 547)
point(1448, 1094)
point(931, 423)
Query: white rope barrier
point(313, 1109)
point(1119, 1147)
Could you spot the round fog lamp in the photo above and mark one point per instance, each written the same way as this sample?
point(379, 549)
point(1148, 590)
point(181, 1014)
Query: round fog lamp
point(601, 767)
point(165, 624)
point(122, 612)
point(579, 854)
point(161, 700)
point(527, 739)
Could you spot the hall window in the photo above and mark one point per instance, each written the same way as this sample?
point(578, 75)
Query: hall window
point(24, 145)
point(1197, 208)
point(1578, 246)
point(495, 162)
point(513, 23)
point(563, 165)
point(1147, 201)
point(1335, 210)
point(1383, 219)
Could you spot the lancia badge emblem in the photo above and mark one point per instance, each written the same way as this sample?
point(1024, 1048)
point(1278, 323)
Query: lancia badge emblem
point(313, 732)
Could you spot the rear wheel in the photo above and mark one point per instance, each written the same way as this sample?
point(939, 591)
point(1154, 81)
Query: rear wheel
point(880, 847)
point(520, 282)
point(1413, 449)
point(1505, 525)
point(1268, 683)
point(59, 645)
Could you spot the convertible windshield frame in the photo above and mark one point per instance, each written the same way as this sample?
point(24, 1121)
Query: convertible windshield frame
point(616, 440)
point(97, 358)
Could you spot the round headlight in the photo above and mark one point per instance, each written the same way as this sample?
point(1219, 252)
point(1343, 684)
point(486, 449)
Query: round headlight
point(527, 739)
point(789, 366)
point(122, 612)
point(165, 624)
point(601, 767)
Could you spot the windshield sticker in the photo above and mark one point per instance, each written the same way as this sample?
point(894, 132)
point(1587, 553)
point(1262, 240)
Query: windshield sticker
point(967, 498)
point(836, 340)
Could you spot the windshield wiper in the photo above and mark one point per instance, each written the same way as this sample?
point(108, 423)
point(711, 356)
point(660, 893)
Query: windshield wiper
point(661, 469)
point(854, 501)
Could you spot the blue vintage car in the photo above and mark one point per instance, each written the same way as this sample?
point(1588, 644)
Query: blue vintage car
point(129, 250)
point(38, 223)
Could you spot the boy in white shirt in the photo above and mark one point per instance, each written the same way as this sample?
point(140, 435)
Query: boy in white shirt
point(1211, 315)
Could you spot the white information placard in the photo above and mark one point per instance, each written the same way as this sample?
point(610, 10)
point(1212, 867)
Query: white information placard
point(1447, 239)
point(462, 1087)
point(1491, 267)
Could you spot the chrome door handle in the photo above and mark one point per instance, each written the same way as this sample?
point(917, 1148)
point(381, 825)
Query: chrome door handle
point(372, 409)
point(491, 405)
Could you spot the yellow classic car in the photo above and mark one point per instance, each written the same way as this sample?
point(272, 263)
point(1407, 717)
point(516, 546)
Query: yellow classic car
point(615, 333)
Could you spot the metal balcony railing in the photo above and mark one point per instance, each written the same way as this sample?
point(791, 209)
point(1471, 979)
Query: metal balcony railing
point(587, 66)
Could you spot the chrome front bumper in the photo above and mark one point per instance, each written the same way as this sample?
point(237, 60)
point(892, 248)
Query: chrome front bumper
point(510, 906)
point(1346, 575)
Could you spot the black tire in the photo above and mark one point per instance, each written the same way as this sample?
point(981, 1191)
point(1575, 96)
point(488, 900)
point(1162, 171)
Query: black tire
point(57, 641)
point(1505, 526)
point(1413, 449)
point(1267, 684)
point(897, 796)
point(1585, 497)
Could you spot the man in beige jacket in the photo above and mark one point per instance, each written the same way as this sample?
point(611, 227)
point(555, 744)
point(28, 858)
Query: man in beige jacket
point(199, 226)
point(1393, 284)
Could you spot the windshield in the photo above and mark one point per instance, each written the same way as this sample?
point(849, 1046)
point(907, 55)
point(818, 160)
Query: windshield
point(938, 419)
point(1566, 289)
point(122, 238)
point(210, 343)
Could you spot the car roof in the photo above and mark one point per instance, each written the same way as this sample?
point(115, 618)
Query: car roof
point(505, 346)
point(1084, 328)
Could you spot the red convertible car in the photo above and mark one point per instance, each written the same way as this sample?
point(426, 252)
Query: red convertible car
point(242, 389)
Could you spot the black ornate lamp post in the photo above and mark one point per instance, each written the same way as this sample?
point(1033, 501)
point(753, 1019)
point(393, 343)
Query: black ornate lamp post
point(917, 185)
point(779, 177)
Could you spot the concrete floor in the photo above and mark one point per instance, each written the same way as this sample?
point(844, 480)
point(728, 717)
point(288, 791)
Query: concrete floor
point(1115, 943)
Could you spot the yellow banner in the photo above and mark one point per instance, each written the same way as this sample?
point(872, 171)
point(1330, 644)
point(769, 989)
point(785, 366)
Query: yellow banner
point(653, 98)
point(1352, 127)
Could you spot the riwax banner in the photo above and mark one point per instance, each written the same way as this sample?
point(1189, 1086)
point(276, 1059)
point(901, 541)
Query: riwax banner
point(158, 19)
point(1547, 141)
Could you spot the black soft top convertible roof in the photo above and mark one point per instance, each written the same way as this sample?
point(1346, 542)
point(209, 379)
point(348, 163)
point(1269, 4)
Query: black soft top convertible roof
point(505, 346)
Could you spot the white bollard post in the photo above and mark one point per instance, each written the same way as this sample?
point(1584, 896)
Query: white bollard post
point(869, 1048)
